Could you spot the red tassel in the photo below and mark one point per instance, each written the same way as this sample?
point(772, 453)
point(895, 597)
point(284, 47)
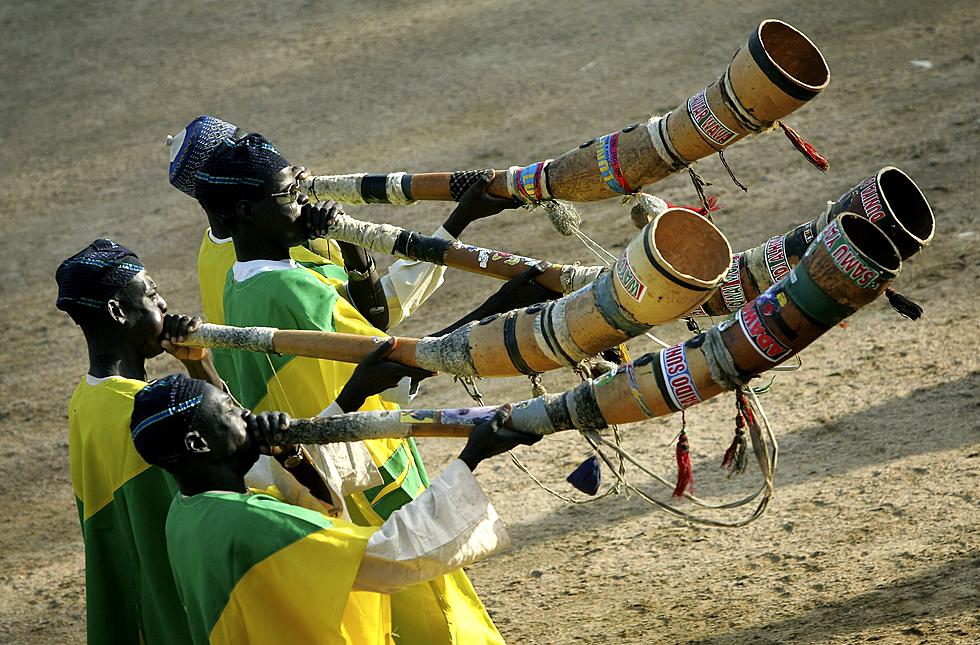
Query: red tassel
point(684, 478)
point(805, 148)
point(712, 201)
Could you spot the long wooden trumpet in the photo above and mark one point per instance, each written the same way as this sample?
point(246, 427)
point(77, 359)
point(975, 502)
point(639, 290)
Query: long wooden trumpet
point(774, 73)
point(667, 270)
point(848, 265)
point(889, 198)
point(402, 243)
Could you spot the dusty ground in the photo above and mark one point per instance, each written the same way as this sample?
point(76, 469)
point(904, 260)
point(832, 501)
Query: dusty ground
point(872, 535)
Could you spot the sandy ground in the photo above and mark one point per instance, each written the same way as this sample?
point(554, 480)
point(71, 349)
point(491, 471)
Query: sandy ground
point(872, 535)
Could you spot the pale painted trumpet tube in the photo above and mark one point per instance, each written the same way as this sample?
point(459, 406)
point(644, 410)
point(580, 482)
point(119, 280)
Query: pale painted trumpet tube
point(849, 265)
point(669, 268)
point(776, 71)
point(402, 243)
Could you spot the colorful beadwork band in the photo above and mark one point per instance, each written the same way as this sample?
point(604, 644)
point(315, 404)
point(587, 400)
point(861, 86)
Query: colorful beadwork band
point(607, 156)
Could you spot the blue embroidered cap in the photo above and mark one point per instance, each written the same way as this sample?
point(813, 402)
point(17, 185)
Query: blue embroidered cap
point(237, 170)
point(163, 412)
point(191, 149)
point(88, 279)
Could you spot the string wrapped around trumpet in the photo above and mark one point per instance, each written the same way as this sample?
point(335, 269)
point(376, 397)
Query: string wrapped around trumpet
point(776, 71)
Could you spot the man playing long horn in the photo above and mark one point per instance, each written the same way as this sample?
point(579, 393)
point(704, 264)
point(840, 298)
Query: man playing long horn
point(266, 287)
point(383, 300)
point(250, 568)
point(122, 501)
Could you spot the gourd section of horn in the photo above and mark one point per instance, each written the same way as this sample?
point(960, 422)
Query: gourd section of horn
point(889, 198)
point(848, 265)
point(667, 270)
point(774, 73)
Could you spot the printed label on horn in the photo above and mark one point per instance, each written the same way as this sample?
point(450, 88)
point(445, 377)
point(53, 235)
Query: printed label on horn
point(776, 261)
point(466, 416)
point(731, 288)
point(847, 259)
point(529, 181)
point(867, 193)
point(706, 122)
point(628, 279)
point(751, 319)
point(871, 201)
point(511, 260)
point(677, 374)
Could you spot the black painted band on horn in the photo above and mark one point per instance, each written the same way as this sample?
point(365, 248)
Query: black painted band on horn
point(663, 270)
point(510, 342)
point(772, 72)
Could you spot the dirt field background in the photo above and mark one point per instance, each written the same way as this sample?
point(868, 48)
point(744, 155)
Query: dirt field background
point(872, 535)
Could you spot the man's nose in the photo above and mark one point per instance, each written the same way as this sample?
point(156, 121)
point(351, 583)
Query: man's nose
point(302, 199)
point(162, 304)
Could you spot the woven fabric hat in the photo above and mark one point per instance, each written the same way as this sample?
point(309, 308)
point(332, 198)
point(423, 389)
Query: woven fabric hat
point(192, 147)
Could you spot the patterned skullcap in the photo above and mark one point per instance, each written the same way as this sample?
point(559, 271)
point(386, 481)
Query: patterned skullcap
point(238, 170)
point(88, 279)
point(191, 149)
point(163, 412)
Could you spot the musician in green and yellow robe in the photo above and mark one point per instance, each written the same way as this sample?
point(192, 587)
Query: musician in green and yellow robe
point(122, 501)
point(254, 190)
point(252, 569)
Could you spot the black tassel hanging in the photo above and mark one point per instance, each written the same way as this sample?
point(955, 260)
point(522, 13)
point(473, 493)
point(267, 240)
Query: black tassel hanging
point(903, 305)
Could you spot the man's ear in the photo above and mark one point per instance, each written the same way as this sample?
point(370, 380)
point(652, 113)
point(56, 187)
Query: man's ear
point(195, 443)
point(116, 311)
point(245, 212)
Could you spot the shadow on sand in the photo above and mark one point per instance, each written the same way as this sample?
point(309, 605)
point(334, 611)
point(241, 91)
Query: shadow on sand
point(945, 416)
point(946, 590)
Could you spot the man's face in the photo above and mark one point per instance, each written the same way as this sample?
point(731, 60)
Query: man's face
point(221, 422)
point(143, 309)
point(278, 215)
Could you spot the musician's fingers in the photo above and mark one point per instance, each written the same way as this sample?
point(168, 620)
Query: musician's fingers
point(501, 416)
point(185, 325)
point(194, 325)
point(533, 272)
point(381, 351)
point(518, 438)
point(415, 373)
